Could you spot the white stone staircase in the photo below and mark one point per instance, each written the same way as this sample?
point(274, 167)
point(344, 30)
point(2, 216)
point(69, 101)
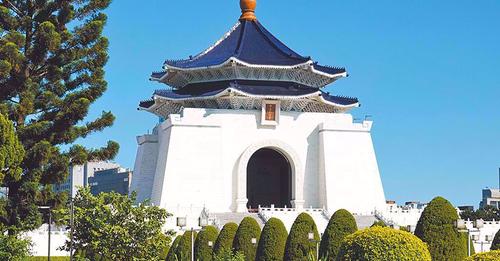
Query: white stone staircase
point(364, 221)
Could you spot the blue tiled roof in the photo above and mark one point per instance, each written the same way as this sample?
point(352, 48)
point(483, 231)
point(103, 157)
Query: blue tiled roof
point(146, 104)
point(249, 42)
point(264, 88)
point(342, 100)
point(272, 88)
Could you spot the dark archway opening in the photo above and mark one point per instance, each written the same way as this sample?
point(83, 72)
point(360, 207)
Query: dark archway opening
point(269, 180)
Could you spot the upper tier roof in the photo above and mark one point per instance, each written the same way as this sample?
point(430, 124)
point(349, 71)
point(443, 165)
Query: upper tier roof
point(247, 44)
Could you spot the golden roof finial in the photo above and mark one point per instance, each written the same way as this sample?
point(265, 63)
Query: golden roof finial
point(248, 10)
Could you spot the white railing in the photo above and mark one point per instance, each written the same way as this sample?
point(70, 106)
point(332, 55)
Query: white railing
point(387, 221)
point(212, 218)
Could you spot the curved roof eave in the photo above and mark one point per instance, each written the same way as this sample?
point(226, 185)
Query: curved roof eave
point(243, 93)
point(160, 76)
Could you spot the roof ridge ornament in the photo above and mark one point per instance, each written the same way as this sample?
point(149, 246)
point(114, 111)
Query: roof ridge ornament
point(248, 10)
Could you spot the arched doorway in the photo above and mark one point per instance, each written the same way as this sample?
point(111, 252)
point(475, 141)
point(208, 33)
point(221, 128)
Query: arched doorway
point(268, 179)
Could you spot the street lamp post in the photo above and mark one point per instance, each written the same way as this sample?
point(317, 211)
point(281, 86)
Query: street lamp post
point(50, 221)
point(202, 222)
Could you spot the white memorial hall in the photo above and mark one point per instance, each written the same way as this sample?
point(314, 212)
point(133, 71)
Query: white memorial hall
point(247, 129)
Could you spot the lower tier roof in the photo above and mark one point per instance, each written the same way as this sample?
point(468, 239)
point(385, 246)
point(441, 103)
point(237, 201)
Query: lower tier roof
point(212, 95)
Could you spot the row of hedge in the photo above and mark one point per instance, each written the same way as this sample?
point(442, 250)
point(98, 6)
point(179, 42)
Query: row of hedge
point(435, 237)
point(274, 243)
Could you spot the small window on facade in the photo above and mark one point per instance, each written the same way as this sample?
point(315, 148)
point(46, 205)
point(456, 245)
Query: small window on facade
point(270, 112)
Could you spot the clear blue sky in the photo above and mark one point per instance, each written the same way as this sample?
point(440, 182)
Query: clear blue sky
point(428, 72)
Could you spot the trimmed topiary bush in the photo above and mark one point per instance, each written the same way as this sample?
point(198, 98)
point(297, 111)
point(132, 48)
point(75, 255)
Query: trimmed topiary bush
point(272, 241)
point(436, 228)
point(171, 252)
point(228, 255)
point(382, 243)
point(298, 246)
point(225, 239)
point(248, 229)
point(202, 250)
point(341, 224)
point(495, 245)
point(493, 255)
point(183, 249)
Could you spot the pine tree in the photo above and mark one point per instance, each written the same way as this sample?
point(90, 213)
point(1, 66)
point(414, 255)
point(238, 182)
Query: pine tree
point(52, 55)
point(11, 151)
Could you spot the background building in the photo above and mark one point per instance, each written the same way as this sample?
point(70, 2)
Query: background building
point(79, 175)
point(116, 180)
point(491, 197)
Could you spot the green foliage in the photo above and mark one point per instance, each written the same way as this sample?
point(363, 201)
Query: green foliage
point(248, 229)
point(225, 239)
point(203, 251)
point(436, 228)
point(486, 213)
point(272, 241)
point(298, 245)
point(13, 248)
point(173, 248)
point(110, 226)
point(383, 243)
point(44, 258)
point(493, 255)
point(341, 224)
point(378, 223)
point(11, 151)
point(52, 58)
point(183, 249)
point(495, 245)
point(228, 255)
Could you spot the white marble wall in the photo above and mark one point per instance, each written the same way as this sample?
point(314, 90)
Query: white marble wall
point(202, 156)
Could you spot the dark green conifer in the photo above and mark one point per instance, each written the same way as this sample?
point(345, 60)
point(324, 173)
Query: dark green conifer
point(203, 251)
point(183, 249)
point(272, 241)
point(247, 230)
point(225, 239)
point(495, 245)
point(173, 248)
point(341, 224)
point(298, 245)
point(11, 151)
point(52, 57)
point(436, 228)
